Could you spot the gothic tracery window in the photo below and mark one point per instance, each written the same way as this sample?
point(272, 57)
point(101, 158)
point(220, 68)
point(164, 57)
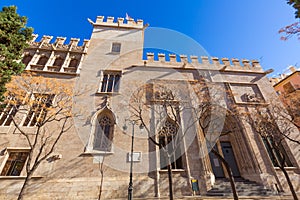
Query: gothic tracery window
point(103, 133)
point(168, 139)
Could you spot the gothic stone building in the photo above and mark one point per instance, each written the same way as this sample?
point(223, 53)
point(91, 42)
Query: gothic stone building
point(108, 71)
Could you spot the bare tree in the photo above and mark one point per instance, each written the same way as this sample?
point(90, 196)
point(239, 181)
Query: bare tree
point(274, 129)
point(286, 115)
point(207, 119)
point(168, 104)
point(292, 107)
point(101, 170)
point(161, 102)
point(44, 105)
point(290, 30)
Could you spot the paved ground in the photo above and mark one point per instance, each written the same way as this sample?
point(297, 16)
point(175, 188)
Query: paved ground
point(284, 197)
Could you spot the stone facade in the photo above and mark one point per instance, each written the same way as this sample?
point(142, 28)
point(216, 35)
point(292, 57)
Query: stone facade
point(107, 72)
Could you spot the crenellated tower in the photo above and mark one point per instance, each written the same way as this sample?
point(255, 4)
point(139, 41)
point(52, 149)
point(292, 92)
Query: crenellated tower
point(112, 39)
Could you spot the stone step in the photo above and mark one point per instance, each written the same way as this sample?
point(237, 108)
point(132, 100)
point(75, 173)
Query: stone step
point(244, 188)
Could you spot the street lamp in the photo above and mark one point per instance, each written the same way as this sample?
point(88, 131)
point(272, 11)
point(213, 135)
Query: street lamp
point(130, 186)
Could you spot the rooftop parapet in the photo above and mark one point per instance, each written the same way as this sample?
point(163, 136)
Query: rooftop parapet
point(60, 41)
point(111, 22)
point(46, 38)
point(58, 44)
point(223, 64)
point(34, 37)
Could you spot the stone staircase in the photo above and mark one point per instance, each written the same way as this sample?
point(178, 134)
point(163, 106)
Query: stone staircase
point(244, 188)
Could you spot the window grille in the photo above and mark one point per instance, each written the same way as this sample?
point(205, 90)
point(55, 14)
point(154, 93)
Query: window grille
point(116, 48)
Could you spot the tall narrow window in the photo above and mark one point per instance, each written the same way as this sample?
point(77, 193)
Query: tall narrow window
point(116, 47)
point(167, 139)
point(8, 112)
point(104, 133)
point(73, 63)
point(58, 61)
point(43, 60)
point(38, 110)
point(14, 164)
point(110, 81)
point(276, 154)
point(26, 59)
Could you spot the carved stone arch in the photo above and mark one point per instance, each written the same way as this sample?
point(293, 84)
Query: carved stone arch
point(58, 61)
point(26, 58)
point(42, 60)
point(235, 143)
point(169, 127)
point(102, 131)
point(73, 62)
point(103, 111)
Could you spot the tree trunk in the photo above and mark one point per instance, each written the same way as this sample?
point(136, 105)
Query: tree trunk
point(289, 183)
point(101, 182)
point(227, 167)
point(232, 183)
point(24, 186)
point(170, 180)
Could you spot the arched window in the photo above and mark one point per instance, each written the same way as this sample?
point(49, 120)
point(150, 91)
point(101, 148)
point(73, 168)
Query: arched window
point(58, 61)
point(73, 63)
point(168, 139)
point(104, 129)
point(26, 59)
point(43, 60)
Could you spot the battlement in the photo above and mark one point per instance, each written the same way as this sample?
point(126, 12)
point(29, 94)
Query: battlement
point(58, 44)
point(204, 62)
point(110, 21)
point(54, 57)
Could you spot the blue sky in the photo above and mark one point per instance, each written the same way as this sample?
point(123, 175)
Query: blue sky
point(231, 28)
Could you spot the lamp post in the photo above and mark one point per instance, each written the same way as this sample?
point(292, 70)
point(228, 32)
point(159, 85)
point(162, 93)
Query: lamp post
point(130, 186)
